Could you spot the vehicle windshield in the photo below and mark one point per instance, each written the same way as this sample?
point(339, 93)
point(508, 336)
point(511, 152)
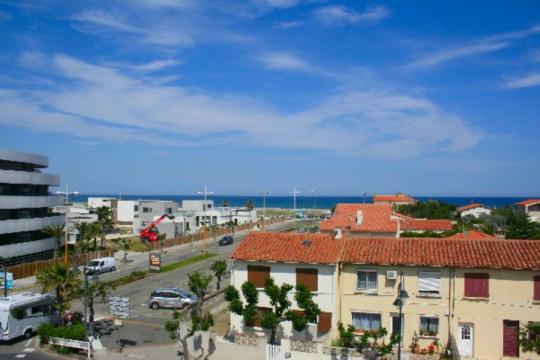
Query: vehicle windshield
point(94, 263)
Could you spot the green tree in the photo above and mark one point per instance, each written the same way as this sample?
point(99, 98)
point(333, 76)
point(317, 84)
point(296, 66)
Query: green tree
point(219, 268)
point(84, 233)
point(65, 284)
point(199, 285)
point(530, 338)
point(281, 306)
point(431, 209)
point(56, 232)
point(94, 230)
point(95, 290)
point(225, 203)
point(104, 214)
point(250, 205)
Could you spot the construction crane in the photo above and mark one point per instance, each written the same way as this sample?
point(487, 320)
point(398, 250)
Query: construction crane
point(151, 233)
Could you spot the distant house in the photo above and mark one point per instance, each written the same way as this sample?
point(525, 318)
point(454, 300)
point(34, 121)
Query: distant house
point(377, 220)
point(531, 208)
point(472, 235)
point(475, 210)
point(396, 199)
point(292, 258)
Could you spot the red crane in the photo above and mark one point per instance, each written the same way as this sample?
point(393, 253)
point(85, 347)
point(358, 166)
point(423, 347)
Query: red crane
point(151, 233)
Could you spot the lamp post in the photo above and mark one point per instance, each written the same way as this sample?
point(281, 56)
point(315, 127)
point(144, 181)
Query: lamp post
point(314, 194)
point(400, 300)
point(264, 193)
point(205, 193)
point(294, 193)
point(66, 206)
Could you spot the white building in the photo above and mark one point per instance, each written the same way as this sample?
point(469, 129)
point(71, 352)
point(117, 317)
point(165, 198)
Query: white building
point(25, 207)
point(475, 210)
point(292, 258)
point(95, 202)
point(531, 208)
point(140, 213)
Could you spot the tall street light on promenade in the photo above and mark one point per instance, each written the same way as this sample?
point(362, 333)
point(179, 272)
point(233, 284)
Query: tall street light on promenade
point(294, 193)
point(264, 194)
point(314, 194)
point(66, 194)
point(205, 193)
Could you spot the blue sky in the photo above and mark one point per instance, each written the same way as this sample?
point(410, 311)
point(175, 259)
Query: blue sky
point(345, 97)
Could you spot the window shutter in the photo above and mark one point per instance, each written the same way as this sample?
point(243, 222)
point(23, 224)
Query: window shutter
point(258, 275)
point(429, 282)
point(325, 322)
point(537, 288)
point(308, 277)
point(477, 285)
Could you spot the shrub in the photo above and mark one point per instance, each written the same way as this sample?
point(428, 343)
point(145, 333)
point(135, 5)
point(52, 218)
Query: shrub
point(44, 332)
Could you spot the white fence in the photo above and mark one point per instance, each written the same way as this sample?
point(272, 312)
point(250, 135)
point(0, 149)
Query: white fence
point(75, 344)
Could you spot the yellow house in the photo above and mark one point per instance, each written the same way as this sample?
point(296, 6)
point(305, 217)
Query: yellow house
point(474, 294)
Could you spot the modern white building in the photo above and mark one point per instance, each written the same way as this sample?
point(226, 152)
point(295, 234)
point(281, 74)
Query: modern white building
point(25, 207)
point(140, 213)
point(291, 258)
point(95, 202)
point(476, 210)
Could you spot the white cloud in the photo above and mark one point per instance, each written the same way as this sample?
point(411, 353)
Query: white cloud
point(337, 14)
point(284, 61)
point(529, 80)
point(481, 46)
point(282, 3)
point(100, 103)
point(155, 65)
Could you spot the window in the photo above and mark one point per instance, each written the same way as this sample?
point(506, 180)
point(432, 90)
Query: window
point(258, 275)
point(429, 283)
point(308, 277)
point(536, 296)
point(429, 326)
point(366, 280)
point(135, 208)
point(365, 321)
point(19, 313)
point(477, 285)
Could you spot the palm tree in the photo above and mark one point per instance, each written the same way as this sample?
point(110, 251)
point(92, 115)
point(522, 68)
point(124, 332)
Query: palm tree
point(94, 232)
point(60, 278)
point(104, 214)
point(225, 203)
point(250, 205)
point(57, 232)
point(84, 231)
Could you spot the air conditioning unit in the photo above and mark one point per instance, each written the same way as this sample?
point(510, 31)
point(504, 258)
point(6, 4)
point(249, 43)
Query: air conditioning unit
point(392, 275)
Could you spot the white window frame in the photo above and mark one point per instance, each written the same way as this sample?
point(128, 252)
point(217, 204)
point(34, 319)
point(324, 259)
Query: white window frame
point(369, 291)
point(427, 286)
point(368, 313)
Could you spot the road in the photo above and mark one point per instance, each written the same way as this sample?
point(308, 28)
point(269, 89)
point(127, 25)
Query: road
point(145, 326)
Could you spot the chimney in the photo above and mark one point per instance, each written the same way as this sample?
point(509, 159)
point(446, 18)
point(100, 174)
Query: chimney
point(338, 233)
point(359, 217)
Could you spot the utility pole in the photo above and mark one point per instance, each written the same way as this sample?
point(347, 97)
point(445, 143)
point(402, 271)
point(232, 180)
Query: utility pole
point(264, 193)
point(295, 192)
point(205, 193)
point(66, 206)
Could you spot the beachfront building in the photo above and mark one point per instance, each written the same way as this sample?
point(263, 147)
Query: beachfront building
point(377, 220)
point(475, 293)
point(95, 202)
point(476, 210)
point(25, 207)
point(531, 208)
point(140, 213)
point(309, 259)
point(396, 199)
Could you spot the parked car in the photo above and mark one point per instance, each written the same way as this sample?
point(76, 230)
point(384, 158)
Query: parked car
point(170, 298)
point(226, 240)
point(101, 265)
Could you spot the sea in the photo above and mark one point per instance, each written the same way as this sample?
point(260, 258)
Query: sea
point(305, 202)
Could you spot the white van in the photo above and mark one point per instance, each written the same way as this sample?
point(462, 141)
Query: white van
point(21, 314)
point(101, 265)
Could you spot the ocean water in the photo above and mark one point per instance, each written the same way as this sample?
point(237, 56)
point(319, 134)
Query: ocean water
point(321, 202)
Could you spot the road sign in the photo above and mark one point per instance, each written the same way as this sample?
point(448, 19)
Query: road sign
point(119, 306)
point(9, 281)
point(155, 262)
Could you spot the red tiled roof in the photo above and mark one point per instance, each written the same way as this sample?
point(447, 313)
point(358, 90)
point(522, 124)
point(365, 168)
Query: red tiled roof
point(378, 218)
point(528, 202)
point(392, 198)
point(472, 235)
point(495, 254)
point(289, 247)
point(470, 206)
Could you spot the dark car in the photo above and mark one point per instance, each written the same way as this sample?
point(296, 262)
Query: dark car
point(226, 240)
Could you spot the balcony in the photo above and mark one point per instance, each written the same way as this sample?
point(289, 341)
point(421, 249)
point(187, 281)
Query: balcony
point(13, 226)
point(24, 202)
point(31, 178)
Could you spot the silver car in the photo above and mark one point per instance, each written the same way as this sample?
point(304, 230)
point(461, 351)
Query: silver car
point(170, 298)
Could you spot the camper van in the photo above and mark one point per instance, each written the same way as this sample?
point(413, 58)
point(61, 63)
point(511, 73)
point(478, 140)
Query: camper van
point(101, 265)
point(21, 314)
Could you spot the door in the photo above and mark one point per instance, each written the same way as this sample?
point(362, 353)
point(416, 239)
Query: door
point(511, 338)
point(465, 339)
point(397, 325)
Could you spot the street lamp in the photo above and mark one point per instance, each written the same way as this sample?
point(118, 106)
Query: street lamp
point(66, 206)
point(264, 194)
point(205, 193)
point(294, 193)
point(399, 302)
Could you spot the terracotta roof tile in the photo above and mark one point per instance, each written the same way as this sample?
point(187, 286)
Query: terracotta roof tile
point(470, 206)
point(495, 254)
point(472, 235)
point(289, 247)
point(378, 218)
point(528, 202)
